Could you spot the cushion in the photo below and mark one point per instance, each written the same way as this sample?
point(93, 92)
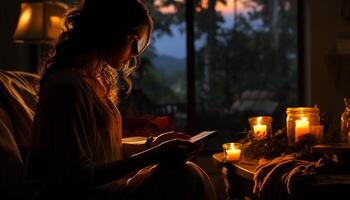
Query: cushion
point(17, 104)
point(18, 96)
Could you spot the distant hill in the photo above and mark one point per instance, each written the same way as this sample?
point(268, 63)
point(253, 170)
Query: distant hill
point(169, 64)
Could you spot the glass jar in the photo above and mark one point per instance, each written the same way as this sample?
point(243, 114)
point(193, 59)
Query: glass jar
point(345, 121)
point(299, 120)
point(232, 151)
point(260, 127)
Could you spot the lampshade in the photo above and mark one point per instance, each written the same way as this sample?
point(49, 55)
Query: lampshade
point(40, 21)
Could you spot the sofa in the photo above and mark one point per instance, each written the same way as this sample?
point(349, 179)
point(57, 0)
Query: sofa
point(18, 97)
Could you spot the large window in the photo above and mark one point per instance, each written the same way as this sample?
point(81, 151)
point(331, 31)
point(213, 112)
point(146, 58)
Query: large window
point(245, 61)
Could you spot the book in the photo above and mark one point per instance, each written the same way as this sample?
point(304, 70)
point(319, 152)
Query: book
point(201, 136)
point(141, 140)
point(134, 140)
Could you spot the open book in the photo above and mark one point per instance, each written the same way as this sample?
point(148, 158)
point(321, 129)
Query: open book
point(201, 136)
point(142, 140)
point(134, 140)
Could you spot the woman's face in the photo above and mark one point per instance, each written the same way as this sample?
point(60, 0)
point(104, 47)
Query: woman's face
point(131, 45)
point(121, 54)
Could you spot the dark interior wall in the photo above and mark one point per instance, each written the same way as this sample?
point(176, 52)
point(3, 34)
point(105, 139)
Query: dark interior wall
point(323, 24)
point(12, 56)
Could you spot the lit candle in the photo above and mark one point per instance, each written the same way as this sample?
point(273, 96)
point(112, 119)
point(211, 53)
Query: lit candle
point(233, 154)
point(260, 130)
point(301, 127)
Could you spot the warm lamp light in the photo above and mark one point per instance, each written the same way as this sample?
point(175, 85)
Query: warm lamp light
point(40, 21)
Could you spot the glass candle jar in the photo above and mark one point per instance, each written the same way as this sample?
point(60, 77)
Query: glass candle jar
point(260, 127)
point(232, 151)
point(299, 120)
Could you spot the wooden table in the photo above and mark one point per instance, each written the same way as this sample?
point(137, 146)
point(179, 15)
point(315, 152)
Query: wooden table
point(239, 177)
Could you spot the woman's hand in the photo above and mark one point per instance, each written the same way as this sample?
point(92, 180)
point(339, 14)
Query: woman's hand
point(175, 152)
point(169, 136)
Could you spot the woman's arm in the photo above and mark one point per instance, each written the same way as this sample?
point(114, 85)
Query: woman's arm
point(105, 173)
point(174, 151)
point(131, 149)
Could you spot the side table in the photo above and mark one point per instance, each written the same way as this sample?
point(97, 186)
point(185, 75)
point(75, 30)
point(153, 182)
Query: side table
point(239, 177)
point(335, 184)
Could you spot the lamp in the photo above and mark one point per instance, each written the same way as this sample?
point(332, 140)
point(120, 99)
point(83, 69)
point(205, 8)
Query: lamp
point(40, 23)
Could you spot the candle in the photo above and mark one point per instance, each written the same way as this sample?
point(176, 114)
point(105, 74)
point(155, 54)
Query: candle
point(233, 153)
point(300, 122)
point(260, 130)
point(301, 127)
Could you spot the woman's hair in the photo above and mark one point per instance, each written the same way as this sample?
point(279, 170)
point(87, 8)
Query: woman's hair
point(93, 29)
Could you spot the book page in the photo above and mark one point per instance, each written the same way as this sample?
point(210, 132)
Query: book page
point(134, 140)
point(201, 136)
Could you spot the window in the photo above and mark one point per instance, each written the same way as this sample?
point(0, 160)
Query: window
point(246, 61)
point(245, 56)
point(159, 86)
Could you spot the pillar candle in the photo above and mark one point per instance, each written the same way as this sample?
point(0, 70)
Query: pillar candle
point(260, 130)
point(301, 127)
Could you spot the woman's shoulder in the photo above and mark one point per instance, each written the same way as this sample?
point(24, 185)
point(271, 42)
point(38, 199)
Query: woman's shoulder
point(65, 82)
point(65, 78)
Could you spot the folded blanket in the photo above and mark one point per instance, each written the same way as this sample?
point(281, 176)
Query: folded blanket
point(18, 98)
point(17, 102)
point(282, 176)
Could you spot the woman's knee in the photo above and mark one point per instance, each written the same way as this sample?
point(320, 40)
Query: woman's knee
point(187, 181)
point(186, 170)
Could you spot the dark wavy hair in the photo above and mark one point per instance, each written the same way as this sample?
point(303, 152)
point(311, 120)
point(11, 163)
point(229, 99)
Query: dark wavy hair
point(92, 29)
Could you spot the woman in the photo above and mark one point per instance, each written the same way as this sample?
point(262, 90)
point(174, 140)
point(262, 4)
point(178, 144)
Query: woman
point(77, 148)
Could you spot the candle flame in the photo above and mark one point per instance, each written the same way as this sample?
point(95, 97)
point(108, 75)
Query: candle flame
point(259, 120)
point(232, 146)
point(304, 119)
